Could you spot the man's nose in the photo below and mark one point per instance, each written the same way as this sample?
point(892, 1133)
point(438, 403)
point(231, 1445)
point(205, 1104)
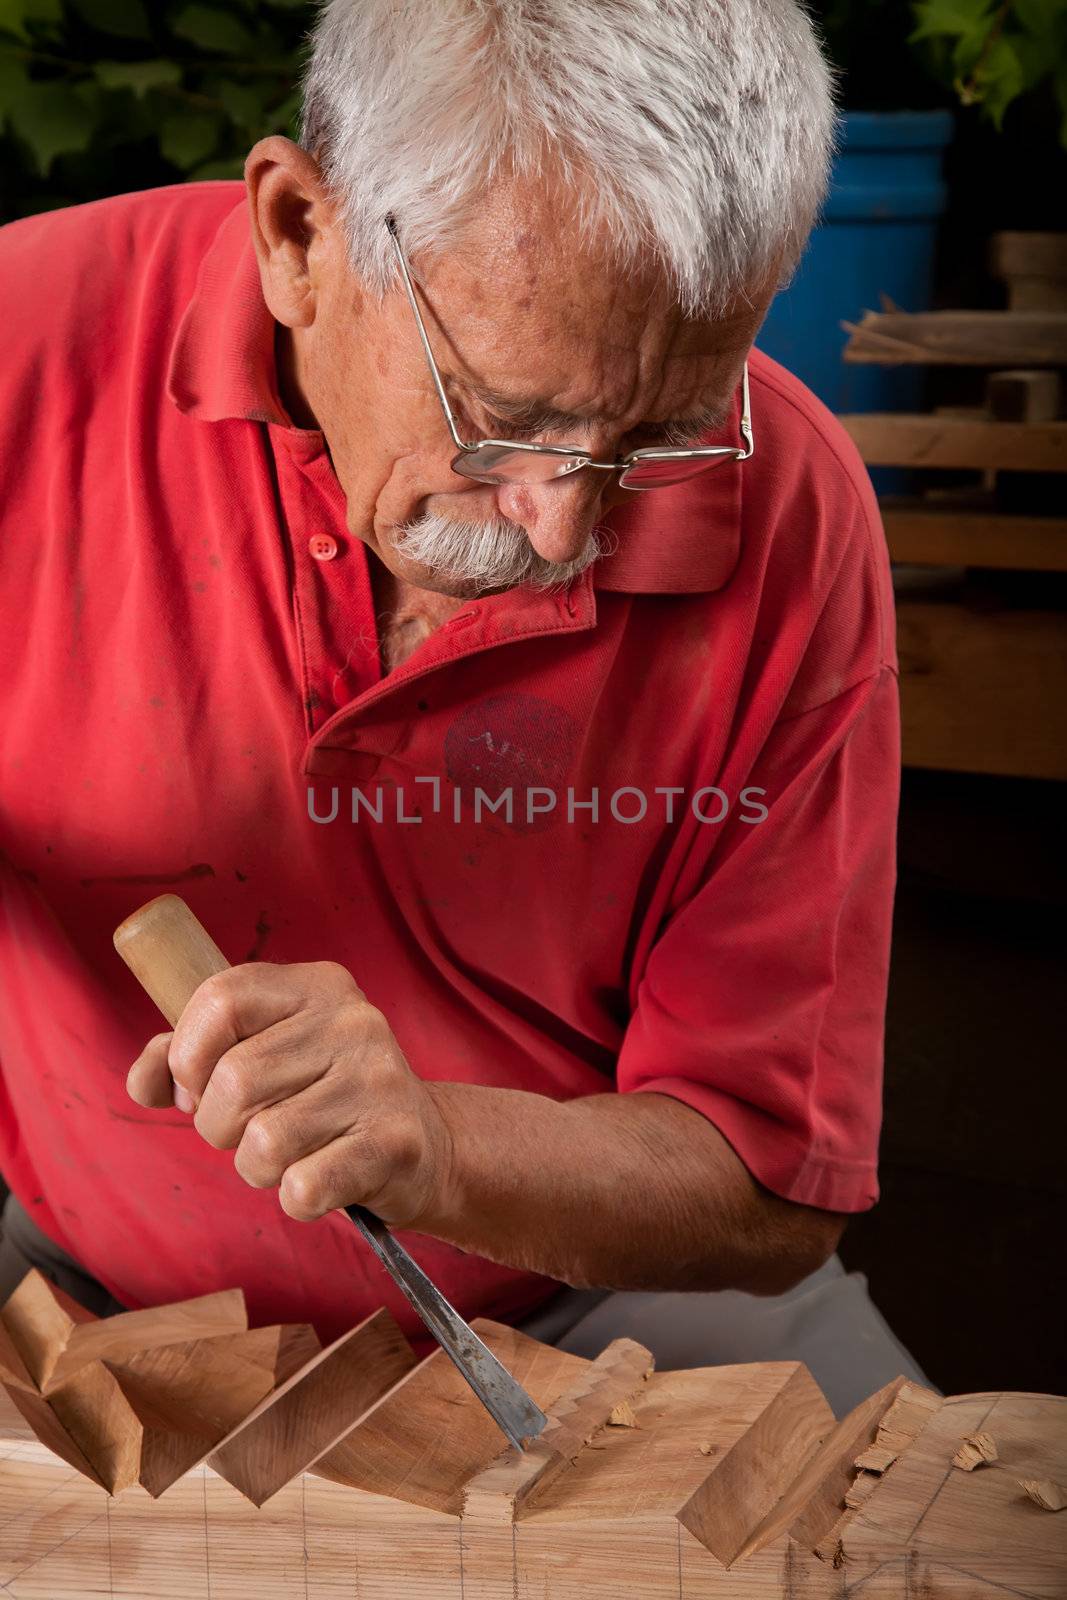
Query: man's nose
point(558, 516)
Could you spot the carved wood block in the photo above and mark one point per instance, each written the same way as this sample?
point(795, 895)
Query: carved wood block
point(727, 1483)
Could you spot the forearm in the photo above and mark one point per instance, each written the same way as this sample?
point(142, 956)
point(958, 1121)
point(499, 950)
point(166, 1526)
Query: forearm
point(292, 1069)
point(614, 1191)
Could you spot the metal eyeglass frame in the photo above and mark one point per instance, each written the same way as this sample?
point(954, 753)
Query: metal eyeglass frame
point(572, 457)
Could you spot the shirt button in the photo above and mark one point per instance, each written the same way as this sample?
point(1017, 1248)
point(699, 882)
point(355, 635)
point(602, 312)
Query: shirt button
point(323, 546)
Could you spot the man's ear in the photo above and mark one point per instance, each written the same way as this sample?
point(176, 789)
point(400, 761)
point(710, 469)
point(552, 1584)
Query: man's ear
point(289, 213)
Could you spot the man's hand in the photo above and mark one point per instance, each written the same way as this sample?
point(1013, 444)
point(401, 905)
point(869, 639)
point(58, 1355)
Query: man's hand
point(294, 1070)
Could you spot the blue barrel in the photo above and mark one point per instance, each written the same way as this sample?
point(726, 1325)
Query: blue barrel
point(876, 237)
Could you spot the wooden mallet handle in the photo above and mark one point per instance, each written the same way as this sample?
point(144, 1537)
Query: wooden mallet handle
point(169, 952)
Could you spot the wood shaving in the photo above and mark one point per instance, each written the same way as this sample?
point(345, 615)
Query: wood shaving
point(975, 1450)
point(1045, 1493)
point(622, 1416)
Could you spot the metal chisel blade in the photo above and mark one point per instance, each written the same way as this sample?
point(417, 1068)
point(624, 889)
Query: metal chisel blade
point(505, 1400)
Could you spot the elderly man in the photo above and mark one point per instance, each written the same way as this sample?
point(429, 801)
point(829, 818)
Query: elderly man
point(410, 561)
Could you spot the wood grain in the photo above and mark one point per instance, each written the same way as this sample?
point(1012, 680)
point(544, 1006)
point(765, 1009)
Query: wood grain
point(983, 691)
point(41, 1324)
point(960, 538)
point(169, 952)
point(509, 1486)
point(608, 1531)
point(960, 338)
point(313, 1409)
point(903, 439)
point(429, 1435)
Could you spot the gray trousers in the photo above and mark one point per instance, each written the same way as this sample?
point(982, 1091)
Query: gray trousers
point(829, 1321)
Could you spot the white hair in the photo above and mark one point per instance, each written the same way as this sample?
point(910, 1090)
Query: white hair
point(695, 134)
point(491, 554)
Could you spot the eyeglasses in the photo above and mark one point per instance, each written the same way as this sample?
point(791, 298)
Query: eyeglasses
point(509, 461)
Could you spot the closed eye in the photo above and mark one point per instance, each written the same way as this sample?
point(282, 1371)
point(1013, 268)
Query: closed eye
point(672, 436)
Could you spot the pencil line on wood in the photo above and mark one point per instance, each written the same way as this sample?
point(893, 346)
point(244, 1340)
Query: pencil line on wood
point(304, 1523)
point(63, 1484)
point(854, 1588)
point(948, 1474)
point(678, 1528)
point(990, 1583)
point(50, 1551)
point(207, 1547)
point(514, 1567)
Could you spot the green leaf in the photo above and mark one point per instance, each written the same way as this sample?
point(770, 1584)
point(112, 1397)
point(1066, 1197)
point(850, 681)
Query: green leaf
point(14, 14)
point(213, 30)
point(955, 18)
point(127, 19)
point(12, 79)
point(1034, 58)
point(244, 102)
point(189, 137)
point(52, 118)
point(999, 79)
point(1038, 16)
point(140, 76)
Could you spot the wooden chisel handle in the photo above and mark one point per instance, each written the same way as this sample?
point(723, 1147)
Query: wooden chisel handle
point(169, 952)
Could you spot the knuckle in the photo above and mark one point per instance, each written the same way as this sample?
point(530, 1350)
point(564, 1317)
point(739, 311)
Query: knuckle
point(332, 975)
point(306, 1193)
point(215, 994)
point(234, 1078)
point(264, 1142)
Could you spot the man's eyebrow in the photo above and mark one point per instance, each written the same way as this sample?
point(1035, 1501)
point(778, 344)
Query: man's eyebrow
point(535, 414)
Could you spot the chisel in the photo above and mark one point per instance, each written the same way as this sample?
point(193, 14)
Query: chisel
point(171, 953)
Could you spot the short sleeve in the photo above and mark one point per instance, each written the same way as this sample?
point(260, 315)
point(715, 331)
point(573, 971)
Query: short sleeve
point(762, 1000)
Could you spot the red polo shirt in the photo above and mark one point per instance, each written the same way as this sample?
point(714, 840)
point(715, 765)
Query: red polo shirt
point(189, 644)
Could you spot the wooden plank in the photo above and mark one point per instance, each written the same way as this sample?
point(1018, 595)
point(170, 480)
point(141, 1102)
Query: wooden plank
point(816, 1499)
point(983, 691)
point(429, 1435)
point(979, 1534)
point(314, 1409)
point(607, 1529)
point(959, 338)
point(923, 537)
point(509, 1485)
point(46, 1427)
point(902, 439)
point(55, 1338)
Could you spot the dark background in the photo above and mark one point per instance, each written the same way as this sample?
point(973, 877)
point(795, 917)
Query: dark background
point(964, 1252)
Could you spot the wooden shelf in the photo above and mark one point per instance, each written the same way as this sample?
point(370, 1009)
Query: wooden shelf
point(959, 338)
point(943, 537)
point(983, 691)
point(902, 439)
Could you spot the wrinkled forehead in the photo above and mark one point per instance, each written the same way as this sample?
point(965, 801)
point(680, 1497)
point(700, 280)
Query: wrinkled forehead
point(521, 290)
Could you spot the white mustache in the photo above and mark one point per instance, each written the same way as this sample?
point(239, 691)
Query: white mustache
point(487, 555)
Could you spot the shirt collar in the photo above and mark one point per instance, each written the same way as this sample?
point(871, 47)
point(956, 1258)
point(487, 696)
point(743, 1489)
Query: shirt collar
point(683, 540)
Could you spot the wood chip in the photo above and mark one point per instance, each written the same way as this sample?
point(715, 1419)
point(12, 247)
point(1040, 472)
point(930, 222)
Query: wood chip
point(974, 1451)
point(876, 1458)
point(622, 1416)
point(1045, 1493)
point(708, 1449)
